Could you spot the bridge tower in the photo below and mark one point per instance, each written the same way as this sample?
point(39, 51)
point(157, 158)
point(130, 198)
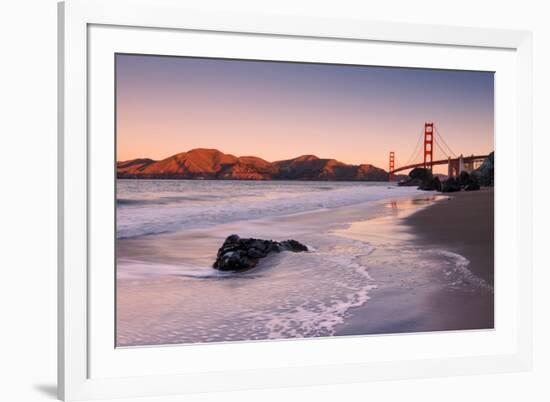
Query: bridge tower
point(392, 166)
point(428, 145)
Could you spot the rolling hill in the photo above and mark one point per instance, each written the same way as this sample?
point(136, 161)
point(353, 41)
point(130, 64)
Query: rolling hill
point(212, 164)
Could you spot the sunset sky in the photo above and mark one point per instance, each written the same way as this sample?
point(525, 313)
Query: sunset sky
point(278, 110)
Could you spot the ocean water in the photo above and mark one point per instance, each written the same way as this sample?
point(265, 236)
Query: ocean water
point(169, 232)
point(159, 206)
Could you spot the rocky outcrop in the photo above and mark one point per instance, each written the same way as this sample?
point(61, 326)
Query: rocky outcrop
point(237, 254)
point(410, 182)
point(469, 181)
point(486, 172)
point(423, 179)
point(465, 181)
point(211, 164)
point(422, 174)
point(433, 184)
point(450, 185)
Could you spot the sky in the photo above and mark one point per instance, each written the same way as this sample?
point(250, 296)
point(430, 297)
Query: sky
point(280, 110)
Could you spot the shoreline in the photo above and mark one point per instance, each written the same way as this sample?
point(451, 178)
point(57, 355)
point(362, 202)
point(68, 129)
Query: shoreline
point(449, 223)
point(406, 300)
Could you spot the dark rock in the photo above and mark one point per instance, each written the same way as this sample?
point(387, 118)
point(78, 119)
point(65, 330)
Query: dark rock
point(469, 181)
point(472, 187)
point(292, 245)
point(254, 253)
point(466, 178)
point(237, 254)
point(410, 183)
point(417, 177)
point(422, 174)
point(466, 181)
point(424, 179)
point(450, 185)
point(433, 184)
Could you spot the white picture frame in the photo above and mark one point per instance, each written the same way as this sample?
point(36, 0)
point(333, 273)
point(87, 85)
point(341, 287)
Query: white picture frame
point(87, 368)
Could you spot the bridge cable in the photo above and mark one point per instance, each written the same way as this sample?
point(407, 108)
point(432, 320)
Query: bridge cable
point(420, 152)
point(444, 142)
point(415, 151)
point(449, 149)
point(418, 156)
point(442, 150)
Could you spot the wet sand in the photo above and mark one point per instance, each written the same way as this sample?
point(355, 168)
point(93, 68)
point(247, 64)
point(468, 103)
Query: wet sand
point(463, 223)
point(409, 299)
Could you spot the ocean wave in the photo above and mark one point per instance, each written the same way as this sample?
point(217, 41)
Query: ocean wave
point(167, 200)
point(133, 201)
point(169, 214)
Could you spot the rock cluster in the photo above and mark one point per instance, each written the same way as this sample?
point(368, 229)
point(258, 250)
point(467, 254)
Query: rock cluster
point(238, 254)
point(466, 181)
point(425, 180)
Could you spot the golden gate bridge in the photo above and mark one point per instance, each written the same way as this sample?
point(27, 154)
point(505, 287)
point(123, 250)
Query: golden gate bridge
point(455, 164)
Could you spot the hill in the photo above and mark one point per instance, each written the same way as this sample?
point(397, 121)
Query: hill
point(202, 163)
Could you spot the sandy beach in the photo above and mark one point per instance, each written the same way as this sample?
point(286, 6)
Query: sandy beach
point(464, 223)
point(408, 300)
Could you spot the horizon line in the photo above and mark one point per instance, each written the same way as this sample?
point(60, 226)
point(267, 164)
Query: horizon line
point(266, 160)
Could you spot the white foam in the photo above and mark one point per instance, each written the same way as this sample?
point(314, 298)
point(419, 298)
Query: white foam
point(461, 276)
point(321, 319)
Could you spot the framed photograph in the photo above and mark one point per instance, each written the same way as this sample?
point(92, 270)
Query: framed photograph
point(252, 201)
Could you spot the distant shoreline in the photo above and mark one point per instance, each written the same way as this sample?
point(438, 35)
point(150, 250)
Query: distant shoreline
point(254, 180)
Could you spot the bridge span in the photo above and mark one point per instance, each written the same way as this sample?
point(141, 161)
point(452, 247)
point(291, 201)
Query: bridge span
point(456, 164)
point(466, 160)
